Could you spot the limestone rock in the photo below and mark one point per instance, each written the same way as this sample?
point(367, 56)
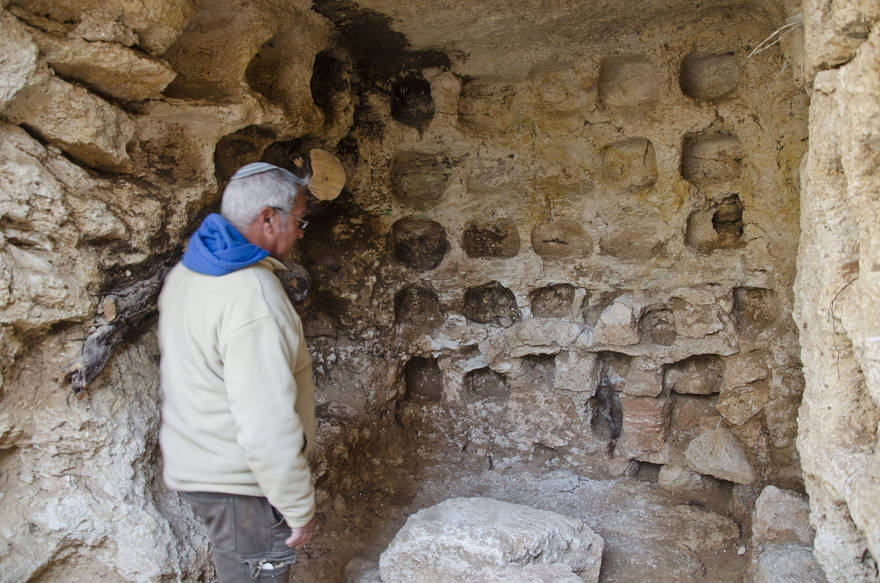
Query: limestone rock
point(680, 479)
point(781, 516)
point(739, 404)
point(561, 239)
point(486, 105)
point(106, 67)
point(618, 324)
point(630, 164)
point(78, 122)
point(418, 180)
point(697, 375)
point(645, 423)
point(709, 76)
point(745, 367)
point(152, 25)
point(788, 564)
point(456, 538)
point(627, 83)
point(20, 58)
point(718, 453)
point(531, 573)
point(361, 571)
point(575, 371)
point(702, 312)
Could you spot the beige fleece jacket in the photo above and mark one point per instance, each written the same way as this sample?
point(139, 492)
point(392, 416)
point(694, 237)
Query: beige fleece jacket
point(238, 410)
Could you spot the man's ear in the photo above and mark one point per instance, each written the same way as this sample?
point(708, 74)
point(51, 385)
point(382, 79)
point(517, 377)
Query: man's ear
point(266, 219)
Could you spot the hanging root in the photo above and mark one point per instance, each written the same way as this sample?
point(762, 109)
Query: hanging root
point(793, 23)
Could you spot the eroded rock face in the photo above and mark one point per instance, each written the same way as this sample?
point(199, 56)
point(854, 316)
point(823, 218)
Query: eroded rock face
point(836, 290)
point(466, 538)
point(648, 190)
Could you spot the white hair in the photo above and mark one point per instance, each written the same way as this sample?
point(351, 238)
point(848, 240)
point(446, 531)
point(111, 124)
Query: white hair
point(244, 197)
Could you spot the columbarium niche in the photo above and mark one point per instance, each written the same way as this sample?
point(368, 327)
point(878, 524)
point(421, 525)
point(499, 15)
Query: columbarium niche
point(492, 238)
point(418, 180)
point(490, 303)
point(417, 309)
point(585, 258)
point(554, 301)
point(423, 379)
point(419, 244)
point(709, 77)
point(711, 159)
point(627, 83)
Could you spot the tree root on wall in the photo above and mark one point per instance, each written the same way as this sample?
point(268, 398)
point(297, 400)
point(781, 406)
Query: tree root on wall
point(120, 311)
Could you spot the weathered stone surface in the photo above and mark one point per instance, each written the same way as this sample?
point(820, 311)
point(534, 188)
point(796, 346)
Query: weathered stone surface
point(641, 377)
point(711, 159)
point(788, 564)
point(491, 303)
point(418, 309)
point(781, 516)
point(531, 337)
point(485, 383)
point(745, 367)
point(701, 312)
point(697, 375)
point(718, 453)
point(720, 226)
point(19, 62)
point(833, 31)
point(423, 379)
point(106, 67)
point(561, 239)
point(637, 235)
point(418, 180)
point(836, 292)
point(83, 125)
point(630, 164)
point(740, 403)
point(491, 238)
point(456, 538)
point(628, 83)
point(419, 244)
point(682, 480)
point(531, 573)
point(709, 77)
point(657, 326)
point(555, 301)
point(575, 371)
point(755, 310)
point(152, 25)
point(486, 105)
point(618, 324)
point(645, 423)
point(561, 89)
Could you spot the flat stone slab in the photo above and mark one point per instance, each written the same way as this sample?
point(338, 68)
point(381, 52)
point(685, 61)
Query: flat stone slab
point(461, 537)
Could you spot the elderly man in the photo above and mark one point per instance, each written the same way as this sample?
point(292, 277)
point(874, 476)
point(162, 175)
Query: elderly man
point(238, 412)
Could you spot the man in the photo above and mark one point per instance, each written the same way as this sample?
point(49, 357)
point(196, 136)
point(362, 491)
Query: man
point(238, 411)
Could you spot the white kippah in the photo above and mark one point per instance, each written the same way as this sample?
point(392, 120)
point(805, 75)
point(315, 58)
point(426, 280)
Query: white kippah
point(260, 167)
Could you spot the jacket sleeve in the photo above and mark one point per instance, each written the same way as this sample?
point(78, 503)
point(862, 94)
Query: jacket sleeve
point(259, 361)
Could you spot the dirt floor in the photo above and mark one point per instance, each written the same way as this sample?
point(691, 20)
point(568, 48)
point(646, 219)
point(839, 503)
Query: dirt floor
point(649, 534)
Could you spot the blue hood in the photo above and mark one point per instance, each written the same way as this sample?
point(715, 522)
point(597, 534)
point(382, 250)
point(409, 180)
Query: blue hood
point(217, 248)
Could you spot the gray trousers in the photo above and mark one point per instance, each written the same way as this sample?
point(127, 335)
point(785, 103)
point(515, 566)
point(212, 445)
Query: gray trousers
point(247, 534)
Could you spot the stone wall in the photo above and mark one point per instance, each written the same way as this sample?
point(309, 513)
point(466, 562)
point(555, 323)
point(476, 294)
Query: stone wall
point(837, 286)
point(568, 238)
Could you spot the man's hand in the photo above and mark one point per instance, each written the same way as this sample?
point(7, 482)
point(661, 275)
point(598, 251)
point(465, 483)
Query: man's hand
point(301, 535)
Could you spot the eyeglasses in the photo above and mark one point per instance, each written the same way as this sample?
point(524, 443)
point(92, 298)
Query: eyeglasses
point(302, 224)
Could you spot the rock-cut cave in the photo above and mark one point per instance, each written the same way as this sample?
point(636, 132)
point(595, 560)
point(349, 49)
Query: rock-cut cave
point(606, 269)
